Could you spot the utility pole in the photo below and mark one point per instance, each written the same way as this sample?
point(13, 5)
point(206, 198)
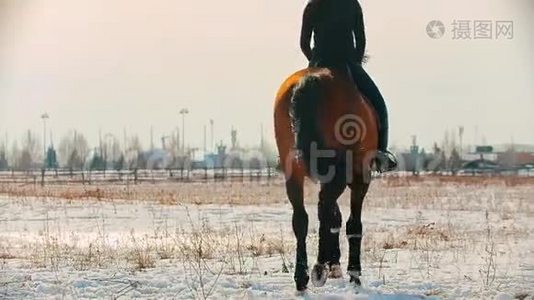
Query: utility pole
point(6, 142)
point(100, 142)
point(261, 136)
point(234, 138)
point(163, 139)
point(461, 135)
point(183, 112)
point(211, 135)
point(205, 137)
point(125, 141)
point(476, 136)
point(44, 117)
point(178, 142)
point(151, 138)
point(3, 146)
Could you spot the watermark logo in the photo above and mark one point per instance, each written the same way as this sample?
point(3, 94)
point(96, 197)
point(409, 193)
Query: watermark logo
point(505, 29)
point(350, 129)
point(435, 29)
point(461, 30)
point(482, 30)
point(472, 29)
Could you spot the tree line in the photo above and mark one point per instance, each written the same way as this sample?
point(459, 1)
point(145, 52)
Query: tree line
point(75, 153)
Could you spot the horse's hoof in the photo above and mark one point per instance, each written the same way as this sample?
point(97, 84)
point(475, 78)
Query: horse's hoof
point(356, 281)
point(301, 281)
point(302, 285)
point(319, 275)
point(355, 278)
point(301, 288)
point(335, 271)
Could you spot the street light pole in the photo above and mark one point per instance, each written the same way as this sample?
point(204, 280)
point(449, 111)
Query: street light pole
point(211, 136)
point(183, 112)
point(44, 117)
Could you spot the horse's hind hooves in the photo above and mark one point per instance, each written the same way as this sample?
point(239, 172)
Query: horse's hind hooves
point(356, 281)
point(301, 290)
point(301, 282)
point(319, 275)
point(335, 272)
point(355, 278)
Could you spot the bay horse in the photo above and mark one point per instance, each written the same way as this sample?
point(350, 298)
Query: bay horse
point(327, 131)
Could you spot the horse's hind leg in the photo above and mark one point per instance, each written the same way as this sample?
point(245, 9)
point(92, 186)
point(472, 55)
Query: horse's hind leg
point(335, 252)
point(359, 189)
point(295, 193)
point(329, 228)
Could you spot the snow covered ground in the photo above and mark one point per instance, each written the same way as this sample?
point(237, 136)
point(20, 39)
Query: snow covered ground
point(423, 239)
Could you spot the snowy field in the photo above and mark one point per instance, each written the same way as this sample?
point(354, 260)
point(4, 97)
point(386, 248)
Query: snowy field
point(423, 239)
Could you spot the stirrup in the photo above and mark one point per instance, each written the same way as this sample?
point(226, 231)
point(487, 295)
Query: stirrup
point(385, 161)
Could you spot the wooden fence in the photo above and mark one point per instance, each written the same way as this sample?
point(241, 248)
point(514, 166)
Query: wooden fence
point(62, 176)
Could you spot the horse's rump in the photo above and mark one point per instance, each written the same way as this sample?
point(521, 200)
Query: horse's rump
point(320, 109)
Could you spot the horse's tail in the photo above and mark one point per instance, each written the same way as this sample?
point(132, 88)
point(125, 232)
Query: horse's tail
point(304, 110)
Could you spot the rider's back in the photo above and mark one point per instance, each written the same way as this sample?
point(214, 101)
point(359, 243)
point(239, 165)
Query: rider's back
point(333, 30)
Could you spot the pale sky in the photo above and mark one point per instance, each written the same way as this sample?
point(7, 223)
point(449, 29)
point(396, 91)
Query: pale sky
point(127, 64)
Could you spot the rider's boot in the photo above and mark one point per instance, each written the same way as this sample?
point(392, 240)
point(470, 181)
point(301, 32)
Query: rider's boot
point(385, 160)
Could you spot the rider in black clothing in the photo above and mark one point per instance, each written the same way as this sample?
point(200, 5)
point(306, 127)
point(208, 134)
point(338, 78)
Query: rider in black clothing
point(339, 41)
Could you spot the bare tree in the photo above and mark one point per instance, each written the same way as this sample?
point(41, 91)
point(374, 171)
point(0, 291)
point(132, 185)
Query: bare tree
point(73, 149)
point(111, 149)
point(134, 158)
point(455, 162)
point(4, 165)
point(269, 153)
point(172, 147)
point(14, 154)
point(30, 154)
point(446, 144)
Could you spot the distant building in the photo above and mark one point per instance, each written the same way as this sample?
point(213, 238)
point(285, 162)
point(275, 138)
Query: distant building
point(513, 159)
point(480, 165)
point(157, 159)
point(473, 156)
point(488, 159)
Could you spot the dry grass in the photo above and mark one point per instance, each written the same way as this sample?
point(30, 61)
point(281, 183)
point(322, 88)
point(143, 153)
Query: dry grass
point(429, 231)
point(236, 247)
point(397, 190)
point(476, 181)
